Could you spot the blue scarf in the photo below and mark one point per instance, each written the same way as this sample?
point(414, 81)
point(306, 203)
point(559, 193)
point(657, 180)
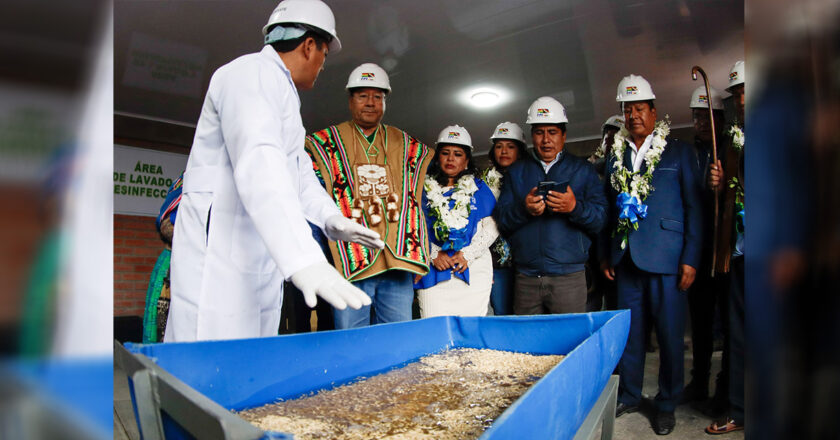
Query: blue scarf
point(482, 204)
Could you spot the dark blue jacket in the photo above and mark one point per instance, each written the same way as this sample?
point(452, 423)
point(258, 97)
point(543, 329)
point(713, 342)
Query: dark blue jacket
point(672, 232)
point(552, 243)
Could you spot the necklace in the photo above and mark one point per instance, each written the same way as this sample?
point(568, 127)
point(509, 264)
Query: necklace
point(370, 143)
point(448, 219)
point(633, 186)
point(374, 182)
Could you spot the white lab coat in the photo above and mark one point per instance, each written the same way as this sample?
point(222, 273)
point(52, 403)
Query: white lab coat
point(248, 191)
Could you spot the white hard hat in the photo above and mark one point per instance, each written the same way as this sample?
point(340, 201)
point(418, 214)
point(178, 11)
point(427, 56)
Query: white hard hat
point(736, 75)
point(508, 130)
point(546, 110)
point(313, 13)
point(369, 75)
point(454, 135)
point(616, 121)
point(700, 100)
point(634, 88)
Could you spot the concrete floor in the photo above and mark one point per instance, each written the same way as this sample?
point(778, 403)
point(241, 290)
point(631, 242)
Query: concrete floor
point(690, 422)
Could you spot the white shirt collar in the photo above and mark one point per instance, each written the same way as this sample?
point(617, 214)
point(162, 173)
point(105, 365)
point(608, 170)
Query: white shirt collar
point(547, 166)
point(638, 157)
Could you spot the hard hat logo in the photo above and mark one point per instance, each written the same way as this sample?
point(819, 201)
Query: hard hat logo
point(546, 110)
point(700, 98)
point(736, 75)
point(634, 88)
point(454, 134)
point(369, 75)
point(508, 130)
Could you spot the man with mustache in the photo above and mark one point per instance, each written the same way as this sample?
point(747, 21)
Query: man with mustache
point(651, 244)
point(374, 173)
point(550, 202)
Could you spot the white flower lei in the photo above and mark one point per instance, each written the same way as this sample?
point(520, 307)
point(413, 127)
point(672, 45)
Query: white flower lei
point(493, 178)
point(600, 151)
point(737, 135)
point(447, 219)
point(634, 183)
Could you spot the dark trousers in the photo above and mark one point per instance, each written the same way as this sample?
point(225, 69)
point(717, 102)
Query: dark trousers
point(501, 294)
point(601, 295)
point(295, 315)
point(655, 297)
point(601, 292)
point(736, 340)
point(550, 294)
point(706, 293)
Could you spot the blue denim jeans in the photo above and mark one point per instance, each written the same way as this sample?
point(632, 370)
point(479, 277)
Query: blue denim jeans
point(391, 295)
point(501, 295)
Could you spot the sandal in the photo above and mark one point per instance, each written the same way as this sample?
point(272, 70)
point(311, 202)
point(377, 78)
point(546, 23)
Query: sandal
point(724, 426)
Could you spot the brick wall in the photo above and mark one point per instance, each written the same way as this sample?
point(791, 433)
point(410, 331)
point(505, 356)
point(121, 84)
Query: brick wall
point(22, 229)
point(136, 249)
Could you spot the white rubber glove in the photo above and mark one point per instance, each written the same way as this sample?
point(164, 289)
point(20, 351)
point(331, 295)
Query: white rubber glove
point(342, 228)
point(323, 280)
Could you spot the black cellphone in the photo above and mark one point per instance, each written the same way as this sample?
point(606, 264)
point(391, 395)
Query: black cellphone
point(549, 185)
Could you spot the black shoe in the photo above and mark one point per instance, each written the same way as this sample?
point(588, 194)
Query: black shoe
point(623, 408)
point(664, 423)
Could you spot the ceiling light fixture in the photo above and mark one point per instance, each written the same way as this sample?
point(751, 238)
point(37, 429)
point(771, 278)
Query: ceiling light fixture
point(484, 99)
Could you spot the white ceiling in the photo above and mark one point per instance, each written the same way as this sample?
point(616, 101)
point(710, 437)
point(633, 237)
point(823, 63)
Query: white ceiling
point(434, 50)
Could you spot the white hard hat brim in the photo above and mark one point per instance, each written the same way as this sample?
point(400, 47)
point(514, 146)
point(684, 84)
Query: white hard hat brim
point(730, 88)
point(334, 45)
point(457, 144)
point(506, 138)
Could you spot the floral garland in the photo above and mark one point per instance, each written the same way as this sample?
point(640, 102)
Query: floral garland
point(493, 178)
point(737, 135)
point(502, 249)
point(457, 217)
point(600, 151)
point(633, 187)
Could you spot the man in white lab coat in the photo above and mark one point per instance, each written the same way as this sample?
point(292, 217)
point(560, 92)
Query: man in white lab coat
point(249, 190)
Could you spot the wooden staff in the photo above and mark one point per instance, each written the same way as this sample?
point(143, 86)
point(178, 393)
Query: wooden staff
point(694, 71)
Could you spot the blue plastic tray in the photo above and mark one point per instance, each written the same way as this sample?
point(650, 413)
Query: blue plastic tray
point(74, 396)
point(245, 373)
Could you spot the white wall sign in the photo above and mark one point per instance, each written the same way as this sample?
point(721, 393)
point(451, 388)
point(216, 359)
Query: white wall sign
point(165, 66)
point(142, 179)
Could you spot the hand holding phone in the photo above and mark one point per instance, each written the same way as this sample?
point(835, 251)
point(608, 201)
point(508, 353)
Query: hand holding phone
point(534, 203)
point(549, 185)
point(561, 199)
